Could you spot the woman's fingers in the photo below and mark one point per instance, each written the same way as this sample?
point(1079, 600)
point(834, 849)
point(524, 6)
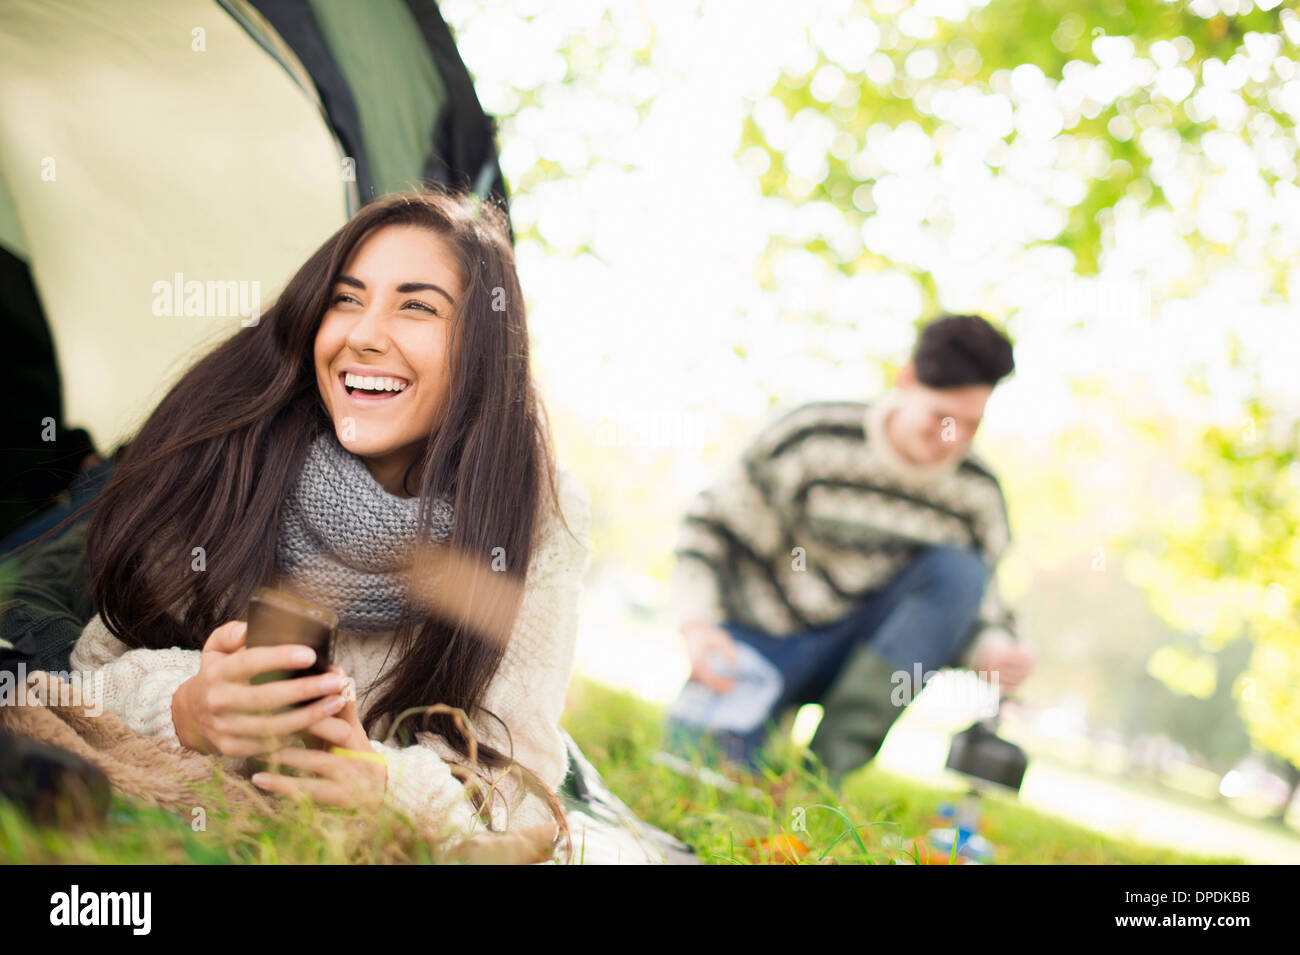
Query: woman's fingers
point(325, 792)
point(332, 730)
point(299, 757)
point(227, 638)
point(340, 766)
point(265, 697)
point(252, 661)
point(338, 781)
point(278, 724)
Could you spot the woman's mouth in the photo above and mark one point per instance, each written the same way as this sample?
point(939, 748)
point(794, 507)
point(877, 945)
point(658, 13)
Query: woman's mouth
point(372, 390)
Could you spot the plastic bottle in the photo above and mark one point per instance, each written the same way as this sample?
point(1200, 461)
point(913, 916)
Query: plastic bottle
point(757, 686)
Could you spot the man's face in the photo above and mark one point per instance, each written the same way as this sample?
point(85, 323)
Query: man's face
point(934, 426)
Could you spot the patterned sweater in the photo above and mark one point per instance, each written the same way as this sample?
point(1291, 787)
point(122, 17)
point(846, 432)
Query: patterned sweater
point(527, 691)
point(818, 512)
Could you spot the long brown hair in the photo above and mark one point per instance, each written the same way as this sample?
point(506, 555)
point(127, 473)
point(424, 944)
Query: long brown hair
point(214, 463)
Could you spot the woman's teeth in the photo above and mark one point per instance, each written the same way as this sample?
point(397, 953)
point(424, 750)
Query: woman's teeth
point(373, 384)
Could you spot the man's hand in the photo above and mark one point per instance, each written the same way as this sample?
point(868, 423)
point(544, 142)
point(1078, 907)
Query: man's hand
point(1012, 660)
point(702, 640)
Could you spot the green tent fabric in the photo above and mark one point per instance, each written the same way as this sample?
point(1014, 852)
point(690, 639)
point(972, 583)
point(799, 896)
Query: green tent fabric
point(394, 81)
point(150, 149)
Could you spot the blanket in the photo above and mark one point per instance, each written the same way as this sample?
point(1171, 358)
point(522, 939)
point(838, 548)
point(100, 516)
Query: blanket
point(139, 767)
point(146, 770)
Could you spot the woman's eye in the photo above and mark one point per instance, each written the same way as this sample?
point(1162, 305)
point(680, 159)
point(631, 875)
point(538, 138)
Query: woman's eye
point(345, 297)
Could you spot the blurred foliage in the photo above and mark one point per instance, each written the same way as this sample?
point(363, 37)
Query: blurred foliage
point(1228, 567)
point(1054, 36)
point(1209, 727)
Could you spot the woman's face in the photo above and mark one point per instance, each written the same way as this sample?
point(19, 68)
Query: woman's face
point(382, 349)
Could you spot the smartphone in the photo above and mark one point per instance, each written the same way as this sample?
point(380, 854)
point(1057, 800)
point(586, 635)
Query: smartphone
point(275, 617)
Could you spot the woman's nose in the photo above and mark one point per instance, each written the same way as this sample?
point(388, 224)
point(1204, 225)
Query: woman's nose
point(370, 331)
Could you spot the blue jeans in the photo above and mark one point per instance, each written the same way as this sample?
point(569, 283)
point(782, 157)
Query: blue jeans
point(921, 616)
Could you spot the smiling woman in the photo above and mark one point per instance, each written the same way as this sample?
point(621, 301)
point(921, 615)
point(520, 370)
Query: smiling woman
point(382, 352)
point(382, 410)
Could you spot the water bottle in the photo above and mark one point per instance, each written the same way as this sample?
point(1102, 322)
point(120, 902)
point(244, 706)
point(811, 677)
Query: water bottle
point(964, 819)
point(757, 685)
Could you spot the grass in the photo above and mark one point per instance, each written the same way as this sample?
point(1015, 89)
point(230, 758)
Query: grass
point(786, 815)
point(209, 835)
point(878, 818)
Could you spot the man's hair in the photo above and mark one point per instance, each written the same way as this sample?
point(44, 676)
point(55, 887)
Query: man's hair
point(958, 350)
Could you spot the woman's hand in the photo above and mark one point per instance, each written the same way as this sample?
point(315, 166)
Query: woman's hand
point(218, 711)
point(350, 774)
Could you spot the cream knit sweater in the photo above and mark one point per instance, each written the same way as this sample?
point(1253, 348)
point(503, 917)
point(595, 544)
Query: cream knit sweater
point(527, 692)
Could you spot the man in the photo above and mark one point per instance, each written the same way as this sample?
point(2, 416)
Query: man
point(850, 542)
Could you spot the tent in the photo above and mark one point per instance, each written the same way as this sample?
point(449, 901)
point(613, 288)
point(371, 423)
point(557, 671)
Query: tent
point(152, 147)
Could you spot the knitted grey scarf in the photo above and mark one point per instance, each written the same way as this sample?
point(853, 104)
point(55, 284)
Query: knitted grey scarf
point(344, 539)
